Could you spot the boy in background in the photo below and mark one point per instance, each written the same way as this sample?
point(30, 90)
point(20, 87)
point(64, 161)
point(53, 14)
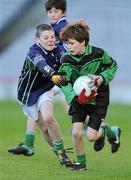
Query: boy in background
point(56, 13)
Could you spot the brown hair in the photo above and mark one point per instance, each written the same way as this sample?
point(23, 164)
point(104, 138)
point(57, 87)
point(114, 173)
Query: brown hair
point(76, 30)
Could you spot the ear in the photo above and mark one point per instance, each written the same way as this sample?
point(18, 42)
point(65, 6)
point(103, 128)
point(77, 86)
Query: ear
point(37, 40)
point(64, 13)
point(83, 43)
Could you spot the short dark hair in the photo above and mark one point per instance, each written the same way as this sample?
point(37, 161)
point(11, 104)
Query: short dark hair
point(76, 30)
point(42, 27)
point(58, 4)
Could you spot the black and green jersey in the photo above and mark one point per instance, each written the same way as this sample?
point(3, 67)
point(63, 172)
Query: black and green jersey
point(93, 61)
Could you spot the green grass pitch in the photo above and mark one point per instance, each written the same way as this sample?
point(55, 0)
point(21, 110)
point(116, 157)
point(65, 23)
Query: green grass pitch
point(44, 164)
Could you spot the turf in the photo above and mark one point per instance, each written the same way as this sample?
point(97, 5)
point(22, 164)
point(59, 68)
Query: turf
point(44, 164)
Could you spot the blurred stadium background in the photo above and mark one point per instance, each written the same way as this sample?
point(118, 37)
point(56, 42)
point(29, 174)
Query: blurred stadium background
point(110, 29)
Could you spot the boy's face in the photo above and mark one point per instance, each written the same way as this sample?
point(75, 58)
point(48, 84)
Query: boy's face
point(55, 14)
point(76, 47)
point(46, 40)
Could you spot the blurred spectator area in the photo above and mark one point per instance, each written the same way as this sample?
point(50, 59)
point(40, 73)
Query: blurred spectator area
point(16, 18)
point(110, 29)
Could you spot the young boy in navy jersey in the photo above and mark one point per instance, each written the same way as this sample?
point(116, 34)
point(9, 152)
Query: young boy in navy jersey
point(56, 12)
point(38, 77)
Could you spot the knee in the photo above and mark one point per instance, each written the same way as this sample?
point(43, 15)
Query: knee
point(77, 135)
point(49, 120)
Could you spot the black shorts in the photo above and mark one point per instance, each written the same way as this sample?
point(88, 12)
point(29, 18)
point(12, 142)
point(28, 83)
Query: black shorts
point(96, 113)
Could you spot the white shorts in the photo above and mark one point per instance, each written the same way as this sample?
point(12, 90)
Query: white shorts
point(56, 91)
point(32, 111)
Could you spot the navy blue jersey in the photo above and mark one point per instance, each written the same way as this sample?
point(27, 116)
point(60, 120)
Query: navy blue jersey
point(61, 23)
point(35, 76)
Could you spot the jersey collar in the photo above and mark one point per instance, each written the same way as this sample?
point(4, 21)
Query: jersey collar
point(61, 19)
point(78, 58)
point(46, 52)
point(64, 18)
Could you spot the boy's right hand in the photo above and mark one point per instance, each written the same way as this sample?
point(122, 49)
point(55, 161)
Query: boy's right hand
point(58, 79)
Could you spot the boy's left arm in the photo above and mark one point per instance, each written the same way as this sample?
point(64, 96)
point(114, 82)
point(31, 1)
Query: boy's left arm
point(108, 70)
point(109, 67)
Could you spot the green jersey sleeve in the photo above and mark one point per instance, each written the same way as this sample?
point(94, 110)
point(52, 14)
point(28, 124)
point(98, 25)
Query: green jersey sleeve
point(109, 68)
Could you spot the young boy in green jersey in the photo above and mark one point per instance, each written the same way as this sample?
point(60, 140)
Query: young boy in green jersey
point(84, 59)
